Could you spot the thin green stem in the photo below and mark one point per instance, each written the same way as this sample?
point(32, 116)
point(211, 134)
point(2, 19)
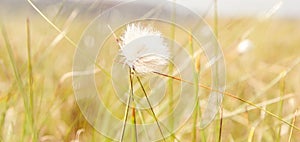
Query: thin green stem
point(196, 80)
point(171, 68)
point(133, 108)
point(127, 108)
point(153, 113)
point(28, 115)
point(30, 81)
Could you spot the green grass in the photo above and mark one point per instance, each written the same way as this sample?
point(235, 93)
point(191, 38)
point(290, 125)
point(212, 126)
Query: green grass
point(37, 105)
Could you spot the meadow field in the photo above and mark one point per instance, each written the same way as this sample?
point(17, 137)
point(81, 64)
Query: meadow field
point(37, 101)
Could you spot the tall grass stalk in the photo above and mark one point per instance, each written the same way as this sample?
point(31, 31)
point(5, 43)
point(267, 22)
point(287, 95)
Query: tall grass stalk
point(30, 82)
point(153, 113)
point(65, 36)
point(196, 72)
point(51, 23)
point(293, 122)
point(216, 18)
point(127, 107)
point(220, 124)
point(26, 102)
point(216, 31)
point(251, 134)
point(134, 123)
point(171, 68)
point(282, 91)
point(133, 108)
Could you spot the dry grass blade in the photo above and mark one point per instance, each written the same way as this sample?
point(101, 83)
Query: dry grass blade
point(51, 23)
point(29, 113)
point(127, 108)
point(265, 103)
point(277, 79)
point(153, 113)
point(234, 97)
point(65, 36)
point(291, 131)
point(251, 134)
point(30, 81)
point(134, 122)
point(266, 111)
point(171, 68)
point(133, 108)
point(143, 122)
point(221, 124)
point(282, 90)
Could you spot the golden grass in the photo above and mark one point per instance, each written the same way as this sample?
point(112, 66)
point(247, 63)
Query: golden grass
point(256, 76)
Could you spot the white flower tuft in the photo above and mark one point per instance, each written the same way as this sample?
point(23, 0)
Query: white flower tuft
point(144, 49)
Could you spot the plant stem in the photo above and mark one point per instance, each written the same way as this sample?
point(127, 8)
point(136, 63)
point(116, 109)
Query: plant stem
point(156, 120)
point(291, 131)
point(127, 108)
point(282, 90)
point(30, 82)
point(133, 108)
point(234, 97)
point(220, 124)
point(28, 115)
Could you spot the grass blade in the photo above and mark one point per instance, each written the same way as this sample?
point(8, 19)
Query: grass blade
point(28, 110)
point(30, 81)
point(153, 113)
point(282, 90)
point(125, 118)
point(171, 68)
point(220, 124)
point(291, 131)
point(234, 97)
point(64, 35)
point(127, 108)
point(133, 108)
point(251, 134)
point(50, 22)
point(134, 122)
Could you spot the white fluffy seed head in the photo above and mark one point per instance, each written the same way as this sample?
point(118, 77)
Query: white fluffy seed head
point(144, 49)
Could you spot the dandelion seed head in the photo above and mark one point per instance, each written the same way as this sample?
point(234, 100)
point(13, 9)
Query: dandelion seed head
point(144, 49)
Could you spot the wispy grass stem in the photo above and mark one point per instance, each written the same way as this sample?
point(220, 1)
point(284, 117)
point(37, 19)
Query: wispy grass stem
point(127, 108)
point(153, 113)
point(234, 97)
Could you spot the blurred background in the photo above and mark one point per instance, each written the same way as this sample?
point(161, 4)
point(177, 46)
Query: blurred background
point(260, 42)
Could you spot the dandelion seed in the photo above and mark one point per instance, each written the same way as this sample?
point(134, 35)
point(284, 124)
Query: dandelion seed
point(144, 49)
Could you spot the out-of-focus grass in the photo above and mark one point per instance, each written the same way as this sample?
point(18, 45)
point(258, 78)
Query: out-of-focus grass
point(254, 75)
